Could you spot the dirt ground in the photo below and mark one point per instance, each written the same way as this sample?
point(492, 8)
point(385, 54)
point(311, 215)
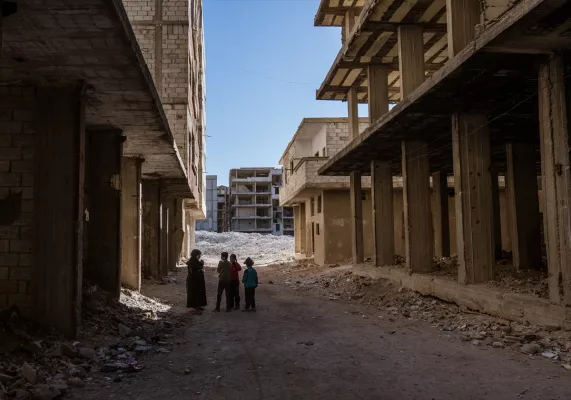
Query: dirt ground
point(303, 344)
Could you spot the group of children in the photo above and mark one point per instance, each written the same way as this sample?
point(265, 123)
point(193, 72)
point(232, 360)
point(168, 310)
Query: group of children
point(229, 283)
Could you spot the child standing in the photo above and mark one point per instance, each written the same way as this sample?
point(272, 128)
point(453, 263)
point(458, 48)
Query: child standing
point(250, 280)
point(235, 281)
point(224, 272)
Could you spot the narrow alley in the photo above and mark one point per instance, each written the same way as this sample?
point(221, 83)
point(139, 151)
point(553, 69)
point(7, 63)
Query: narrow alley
point(302, 345)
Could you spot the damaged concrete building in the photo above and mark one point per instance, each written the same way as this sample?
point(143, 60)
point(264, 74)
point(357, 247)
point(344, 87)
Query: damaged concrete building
point(481, 93)
point(254, 202)
point(101, 147)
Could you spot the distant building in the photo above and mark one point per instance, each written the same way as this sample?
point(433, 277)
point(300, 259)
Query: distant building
point(254, 202)
point(211, 196)
point(223, 206)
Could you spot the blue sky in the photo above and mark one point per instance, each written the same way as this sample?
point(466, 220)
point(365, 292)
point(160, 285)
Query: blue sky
point(264, 61)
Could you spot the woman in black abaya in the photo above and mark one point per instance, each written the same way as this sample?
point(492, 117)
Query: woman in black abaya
point(195, 285)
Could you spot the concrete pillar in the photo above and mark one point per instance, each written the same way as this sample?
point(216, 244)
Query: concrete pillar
point(556, 179)
point(498, 248)
point(419, 248)
point(383, 214)
point(302, 229)
point(411, 58)
point(131, 222)
point(151, 229)
point(356, 218)
point(176, 233)
point(296, 229)
point(440, 214)
point(378, 92)
point(164, 251)
point(461, 18)
point(58, 208)
point(105, 153)
point(474, 208)
point(522, 194)
point(353, 112)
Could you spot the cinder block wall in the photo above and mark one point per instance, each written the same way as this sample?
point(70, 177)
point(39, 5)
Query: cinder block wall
point(161, 28)
point(17, 129)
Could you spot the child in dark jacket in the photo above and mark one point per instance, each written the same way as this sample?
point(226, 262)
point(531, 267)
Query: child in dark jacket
point(250, 280)
point(235, 281)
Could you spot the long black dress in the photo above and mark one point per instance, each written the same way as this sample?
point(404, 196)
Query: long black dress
point(195, 284)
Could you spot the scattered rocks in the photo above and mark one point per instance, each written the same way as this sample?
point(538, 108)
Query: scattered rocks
point(498, 345)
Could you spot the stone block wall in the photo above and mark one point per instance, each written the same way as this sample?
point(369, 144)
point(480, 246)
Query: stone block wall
point(17, 128)
point(161, 29)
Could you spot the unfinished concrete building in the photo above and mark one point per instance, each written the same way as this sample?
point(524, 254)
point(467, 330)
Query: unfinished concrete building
point(93, 132)
point(254, 201)
point(487, 96)
point(223, 215)
point(322, 204)
point(210, 223)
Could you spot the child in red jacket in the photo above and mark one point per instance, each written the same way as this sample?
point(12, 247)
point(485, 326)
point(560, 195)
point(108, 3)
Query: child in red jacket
point(235, 281)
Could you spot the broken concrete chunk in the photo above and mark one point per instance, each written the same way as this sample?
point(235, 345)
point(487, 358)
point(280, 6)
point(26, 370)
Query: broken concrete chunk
point(530, 348)
point(86, 353)
point(29, 373)
point(67, 351)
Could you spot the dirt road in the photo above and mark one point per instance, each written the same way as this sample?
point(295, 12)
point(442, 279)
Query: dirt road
point(302, 346)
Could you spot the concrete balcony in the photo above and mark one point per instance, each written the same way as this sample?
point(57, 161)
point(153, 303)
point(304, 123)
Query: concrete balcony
point(305, 177)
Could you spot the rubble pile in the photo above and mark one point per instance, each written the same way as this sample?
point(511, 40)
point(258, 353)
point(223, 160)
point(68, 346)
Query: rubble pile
point(478, 329)
point(531, 282)
point(263, 249)
point(116, 336)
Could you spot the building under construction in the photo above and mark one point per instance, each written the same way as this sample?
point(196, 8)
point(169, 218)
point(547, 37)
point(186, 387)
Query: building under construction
point(101, 147)
point(481, 91)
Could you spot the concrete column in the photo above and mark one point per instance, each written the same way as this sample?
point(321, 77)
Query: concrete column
point(105, 153)
point(461, 18)
point(302, 229)
point(59, 208)
point(176, 233)
point(296, 229)
point(356, 218)
point(131, 222)
point(556, 179)
point(383, 214)
point(440, 213)
point(411, 58)
point(151, 229)
point(523, 200)
point(353, 112)
point(378, 92)
point(164, 251)
point(498, 248)
point(474, 208)
point(419, 248)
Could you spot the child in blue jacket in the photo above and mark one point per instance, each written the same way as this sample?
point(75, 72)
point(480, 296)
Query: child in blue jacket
point(250, 280)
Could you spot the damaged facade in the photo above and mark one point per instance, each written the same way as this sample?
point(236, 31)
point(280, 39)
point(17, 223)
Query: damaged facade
point(101, 147)
point(254, 202)
point(484, 102)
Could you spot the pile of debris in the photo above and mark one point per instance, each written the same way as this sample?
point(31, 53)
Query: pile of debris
point(531, 282)
point(474, 327)
point(115, 338)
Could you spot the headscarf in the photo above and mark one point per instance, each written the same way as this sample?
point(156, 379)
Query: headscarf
point(195, 254)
